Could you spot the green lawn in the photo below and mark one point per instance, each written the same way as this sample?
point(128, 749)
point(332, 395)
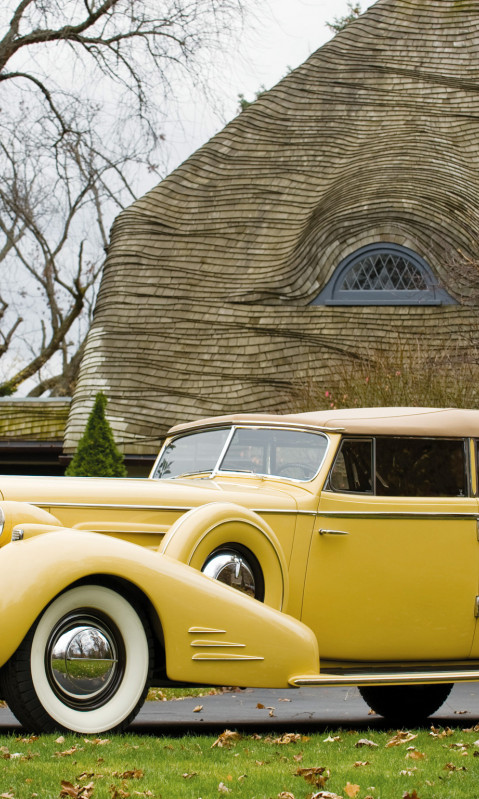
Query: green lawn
point(434, 763)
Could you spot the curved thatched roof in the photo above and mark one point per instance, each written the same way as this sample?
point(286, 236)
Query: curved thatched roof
point(204, 306)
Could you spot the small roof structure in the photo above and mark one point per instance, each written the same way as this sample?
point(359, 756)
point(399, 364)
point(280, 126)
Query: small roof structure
point(206, 305)
point(31, 434)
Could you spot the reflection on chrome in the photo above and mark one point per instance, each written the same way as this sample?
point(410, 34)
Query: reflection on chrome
point(83, 661)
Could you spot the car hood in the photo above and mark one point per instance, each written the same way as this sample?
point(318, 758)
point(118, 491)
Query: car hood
point(182, 493)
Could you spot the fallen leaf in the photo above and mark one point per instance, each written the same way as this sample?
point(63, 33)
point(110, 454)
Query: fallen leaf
point(118, 793)
point(68, 752)
point(284, 700)
point(285, 795)
point(408, 795)
point(76, 791)
point(452, 767)
point(227, 739)
point(299, 758)
point(7, 795)
point(198, 709)
point(190, 775)
point(460, 712)
point(364, 742)
point(360, 763)
point(414, 754)
point(260, 706)
point(223, 789)
point(260, 762)
point(288, 738)
point(27, 740)
point(97, 741)
point(272, 713)
point(401, 737)
point(332, 739)
point(325, 795)
point(436, 732)
point(351, 789)
point(316, 775)
point(134, 774)
point(60, 740)
point(408, 772)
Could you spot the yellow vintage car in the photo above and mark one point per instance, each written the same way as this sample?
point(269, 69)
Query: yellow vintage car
point(328, 548)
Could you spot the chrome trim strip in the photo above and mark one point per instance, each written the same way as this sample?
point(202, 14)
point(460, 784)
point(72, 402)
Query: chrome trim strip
point(216, 643)
point(2, 520)
point(195, 630)
point(222, 657)
point(394, 515)
point(392, 678)
point(110, 506)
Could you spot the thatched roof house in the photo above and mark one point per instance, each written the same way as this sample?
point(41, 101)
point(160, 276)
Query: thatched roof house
point(335, 214)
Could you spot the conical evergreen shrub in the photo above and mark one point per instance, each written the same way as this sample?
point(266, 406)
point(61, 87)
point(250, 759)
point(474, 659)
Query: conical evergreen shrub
point(97, 454)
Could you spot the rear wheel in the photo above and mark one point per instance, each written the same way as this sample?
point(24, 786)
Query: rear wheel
point(405, 704)
point(83, 666)
point(236, 566)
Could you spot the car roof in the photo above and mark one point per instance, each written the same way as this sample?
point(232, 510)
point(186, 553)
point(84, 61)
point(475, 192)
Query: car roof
point(447, 422)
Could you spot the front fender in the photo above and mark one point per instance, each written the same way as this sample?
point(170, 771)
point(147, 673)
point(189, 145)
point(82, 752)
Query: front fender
point(17, 513)
point(212, 633)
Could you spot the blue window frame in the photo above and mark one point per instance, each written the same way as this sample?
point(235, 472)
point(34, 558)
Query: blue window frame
point(383, 274)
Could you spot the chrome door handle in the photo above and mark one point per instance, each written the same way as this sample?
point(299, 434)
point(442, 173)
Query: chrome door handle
point(332, 532)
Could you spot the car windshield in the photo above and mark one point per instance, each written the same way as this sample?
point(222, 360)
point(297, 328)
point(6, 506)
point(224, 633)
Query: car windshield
point(294, 454)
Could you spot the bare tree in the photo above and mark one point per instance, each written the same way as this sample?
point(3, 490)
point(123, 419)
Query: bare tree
point(82, 83)
point(340, 23)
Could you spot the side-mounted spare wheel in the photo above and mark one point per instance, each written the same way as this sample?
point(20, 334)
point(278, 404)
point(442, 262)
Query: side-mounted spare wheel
point(83, 666)
point(405, 704)
point(234, 545)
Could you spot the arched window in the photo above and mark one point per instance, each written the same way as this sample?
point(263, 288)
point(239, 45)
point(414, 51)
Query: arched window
point(383, 274)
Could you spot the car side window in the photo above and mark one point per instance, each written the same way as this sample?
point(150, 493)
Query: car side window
point(353, 467)
point(401, 466)
point(421, 467)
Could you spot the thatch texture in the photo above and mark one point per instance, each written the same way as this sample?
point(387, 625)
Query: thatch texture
point(204, 306)
point(33, 420)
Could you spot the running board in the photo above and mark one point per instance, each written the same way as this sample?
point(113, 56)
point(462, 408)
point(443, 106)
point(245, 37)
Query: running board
point(386, 678)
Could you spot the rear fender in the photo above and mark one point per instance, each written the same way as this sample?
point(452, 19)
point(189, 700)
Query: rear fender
point(212, 633)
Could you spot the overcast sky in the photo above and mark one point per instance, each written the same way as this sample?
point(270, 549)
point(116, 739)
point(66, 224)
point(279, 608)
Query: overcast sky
point(279, 35)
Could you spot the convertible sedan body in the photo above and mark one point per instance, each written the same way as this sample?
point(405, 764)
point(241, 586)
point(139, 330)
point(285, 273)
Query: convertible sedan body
point(335, 547)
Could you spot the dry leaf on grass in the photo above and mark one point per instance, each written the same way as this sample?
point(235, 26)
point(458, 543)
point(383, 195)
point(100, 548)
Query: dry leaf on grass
point(351, 790)
point(286, 795)
point(133, 774)
point(452, 767)
point(325, 795)
point(190, 775)
point(223, 789)
point(401, 737)
point(118, 793)
point(76, 791)
point(68, 752)
point(409, 772)
point(364, 742)
point(436, 732)
point(360, 763)
point(315, 775)
point(331, 739)
point(408, 795)
point(414, 754)
point(227, 739)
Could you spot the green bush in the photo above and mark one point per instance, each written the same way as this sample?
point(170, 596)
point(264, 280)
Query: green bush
point(97, 454)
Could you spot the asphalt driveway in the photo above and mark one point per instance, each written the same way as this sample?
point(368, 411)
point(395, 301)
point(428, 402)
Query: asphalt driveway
point(303, 709)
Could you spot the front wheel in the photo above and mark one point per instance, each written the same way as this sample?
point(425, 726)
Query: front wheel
point(83, 666)
point(405, 704)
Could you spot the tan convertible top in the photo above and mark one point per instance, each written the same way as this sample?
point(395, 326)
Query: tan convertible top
point(450, 422)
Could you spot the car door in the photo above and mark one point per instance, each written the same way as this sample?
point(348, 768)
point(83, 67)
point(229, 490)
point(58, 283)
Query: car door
point(392, 572)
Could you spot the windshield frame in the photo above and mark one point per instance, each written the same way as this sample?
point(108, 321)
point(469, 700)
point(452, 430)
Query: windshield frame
point(233, 427)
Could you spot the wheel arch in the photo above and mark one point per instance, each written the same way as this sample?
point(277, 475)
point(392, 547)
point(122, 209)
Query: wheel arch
point(196, 534)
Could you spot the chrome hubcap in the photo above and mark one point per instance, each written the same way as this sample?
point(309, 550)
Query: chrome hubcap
point(233, 570)
point(84, 660)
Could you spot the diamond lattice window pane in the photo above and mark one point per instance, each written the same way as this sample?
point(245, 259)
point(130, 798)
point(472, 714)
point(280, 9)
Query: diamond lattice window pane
point(384, 272)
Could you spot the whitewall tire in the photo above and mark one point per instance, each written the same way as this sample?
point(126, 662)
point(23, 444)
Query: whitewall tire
point(84, 666)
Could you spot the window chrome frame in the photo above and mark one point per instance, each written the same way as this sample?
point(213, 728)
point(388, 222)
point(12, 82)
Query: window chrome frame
point(217, 471)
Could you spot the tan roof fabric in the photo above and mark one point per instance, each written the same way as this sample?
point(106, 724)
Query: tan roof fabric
point(204, 306)
point(448, 422)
